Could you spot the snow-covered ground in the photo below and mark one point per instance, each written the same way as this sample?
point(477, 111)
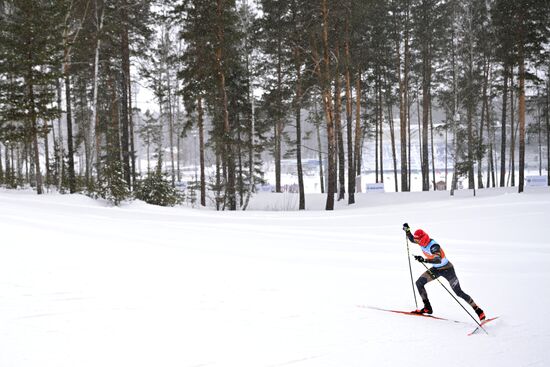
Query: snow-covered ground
point(83, 284)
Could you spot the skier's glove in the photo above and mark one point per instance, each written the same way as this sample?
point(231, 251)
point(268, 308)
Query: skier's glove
point(406, 227)
point(419, 258)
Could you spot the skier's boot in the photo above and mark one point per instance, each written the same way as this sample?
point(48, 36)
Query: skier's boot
point(480, 313)
point(426, 310)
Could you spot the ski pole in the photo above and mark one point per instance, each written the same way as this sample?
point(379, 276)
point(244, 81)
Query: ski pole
point(452, 295)
point(410, 271)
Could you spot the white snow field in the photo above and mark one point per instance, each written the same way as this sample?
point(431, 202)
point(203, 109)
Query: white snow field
point(83, 284)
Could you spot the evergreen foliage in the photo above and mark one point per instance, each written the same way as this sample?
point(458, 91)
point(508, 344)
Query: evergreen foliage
point(28, 59)
point(156, 189)
point(234, 79)
point(111, 184)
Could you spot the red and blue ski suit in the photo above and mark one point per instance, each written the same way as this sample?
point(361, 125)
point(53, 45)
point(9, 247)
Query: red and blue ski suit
point(435, 255)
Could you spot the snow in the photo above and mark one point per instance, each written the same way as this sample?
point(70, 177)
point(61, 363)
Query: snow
point(85, 284)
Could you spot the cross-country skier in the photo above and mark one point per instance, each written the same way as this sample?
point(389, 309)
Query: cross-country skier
point(441, 267)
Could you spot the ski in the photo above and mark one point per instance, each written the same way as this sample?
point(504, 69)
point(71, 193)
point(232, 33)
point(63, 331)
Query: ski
point(481, 324)
point(411, 313)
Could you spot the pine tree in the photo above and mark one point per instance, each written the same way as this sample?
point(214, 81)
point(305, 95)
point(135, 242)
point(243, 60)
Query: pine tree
point(471, 59)
point(28, 72)
point(150, 134)
point(276, 68)
point(521, 28)
point(252, 134)
point(285, 43)
point(321, 50)
point(156, 189)
point(212, 31)
point(112, 184)
point(401, 25)
point(197, 69)
point(429, 22)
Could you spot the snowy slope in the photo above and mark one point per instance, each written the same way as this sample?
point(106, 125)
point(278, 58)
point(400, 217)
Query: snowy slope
point(83, 284)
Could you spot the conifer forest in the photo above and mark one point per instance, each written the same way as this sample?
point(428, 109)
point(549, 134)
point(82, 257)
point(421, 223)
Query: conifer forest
point(121, 99)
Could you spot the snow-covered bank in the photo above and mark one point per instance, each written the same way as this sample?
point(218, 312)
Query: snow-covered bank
point(290, 201)
point(83, 284)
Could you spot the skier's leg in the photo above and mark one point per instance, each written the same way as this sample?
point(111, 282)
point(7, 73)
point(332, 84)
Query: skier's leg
point(424, 279)
point(451, 277)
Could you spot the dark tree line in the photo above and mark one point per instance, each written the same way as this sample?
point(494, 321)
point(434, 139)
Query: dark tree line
point(269, 80)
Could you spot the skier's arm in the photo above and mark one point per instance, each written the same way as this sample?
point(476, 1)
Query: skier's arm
point(407, 230)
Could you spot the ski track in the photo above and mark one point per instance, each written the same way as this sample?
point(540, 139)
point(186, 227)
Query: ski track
point(86, 285)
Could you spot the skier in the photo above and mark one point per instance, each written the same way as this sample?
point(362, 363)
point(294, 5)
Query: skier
point(441, 267)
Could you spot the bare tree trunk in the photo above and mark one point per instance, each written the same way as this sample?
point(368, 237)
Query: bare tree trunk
point(46, 157)
point(521, 108)
point(298, 109)
point(113, 135)
point(376, 128)
point(252, 142)
point(69, 119)
point(131, 132)
point(420, 133)
point(28, 157)
point(392, 137)
point(446, 155)
point(34, 128)
point(1, 168)
point(239, 169)
point(70, 147)
point(201, 151)
point(432, 145)
point(128, 125)
point(490, 137)
point(339, 133)
point(349, 121)
point(279, 120)
point(426, 76)
point(381, 117)
point(171, 131)
point(402, 107)
point(539, 128)
point(548, 126)
point(484, 111)
point(228, 146)
point(470, 128)
point(320, 159)
point(8, 168)
point(503, 129)
point(358, 132)
point(85, 127)
point(512, 170)
point(60, 151)
point(9, 163)
point(125, 51)
point(170, 111)
point(95, 119)
point(218, 181)
point(406, 94)
point(409, 141)
point(329, 110)
point(454, 182)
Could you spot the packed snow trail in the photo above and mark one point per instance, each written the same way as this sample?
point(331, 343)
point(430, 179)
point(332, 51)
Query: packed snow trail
point(84, 284)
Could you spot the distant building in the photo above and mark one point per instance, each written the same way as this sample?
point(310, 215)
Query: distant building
point(441, 186)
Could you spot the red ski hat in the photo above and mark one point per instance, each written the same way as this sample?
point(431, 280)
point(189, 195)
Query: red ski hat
point(421, 237)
